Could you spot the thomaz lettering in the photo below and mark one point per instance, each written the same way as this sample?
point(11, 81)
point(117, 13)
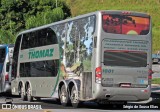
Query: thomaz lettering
point(40, 53)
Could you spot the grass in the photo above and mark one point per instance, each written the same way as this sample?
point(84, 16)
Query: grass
point(156, 81)
point(151, 7)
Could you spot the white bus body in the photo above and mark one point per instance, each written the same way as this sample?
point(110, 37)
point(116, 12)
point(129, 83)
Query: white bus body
point(105, 55)
point(6, 53)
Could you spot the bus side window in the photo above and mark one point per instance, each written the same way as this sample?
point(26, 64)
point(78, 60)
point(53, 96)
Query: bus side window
point(52, 68)
point(32, 40)
point(43, 37)
point(25, 41)
point(51, 37)
point(22, 69)
point(2, 55)
point(29, 40)
point(40, 38)
point(35, 39)
point(27, 69)
point(7, 67)
point(15, 56)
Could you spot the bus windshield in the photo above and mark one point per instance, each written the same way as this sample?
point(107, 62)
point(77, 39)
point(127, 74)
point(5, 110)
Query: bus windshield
point(125, 24)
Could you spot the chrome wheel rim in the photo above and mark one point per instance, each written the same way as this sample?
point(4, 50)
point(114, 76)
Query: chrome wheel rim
point(63, 97)
point(22, 92)
point(74, 97)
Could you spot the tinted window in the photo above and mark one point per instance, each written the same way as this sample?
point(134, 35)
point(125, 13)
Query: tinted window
point(2, 55)
point(130, 59)
point(25, 41)
point(39, 38)
point(7, 67)
point(47, 68)
point(15, 56)
point(124, 24)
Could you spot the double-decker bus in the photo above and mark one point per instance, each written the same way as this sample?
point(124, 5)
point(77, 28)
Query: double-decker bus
point(100, 56)
point(6, 53)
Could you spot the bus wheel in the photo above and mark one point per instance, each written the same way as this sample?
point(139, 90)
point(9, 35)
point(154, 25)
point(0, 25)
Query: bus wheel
point(29, 95)
point(75, 98)
point(22, 94)
point(64, 97)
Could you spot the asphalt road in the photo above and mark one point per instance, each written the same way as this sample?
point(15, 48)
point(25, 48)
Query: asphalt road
point(50, 105)
point(152, 104)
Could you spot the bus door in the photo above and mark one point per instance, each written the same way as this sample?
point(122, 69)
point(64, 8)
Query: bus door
point(122, 66)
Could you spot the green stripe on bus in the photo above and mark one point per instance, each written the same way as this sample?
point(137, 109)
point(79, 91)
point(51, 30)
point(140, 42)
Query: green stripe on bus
point(59, 72)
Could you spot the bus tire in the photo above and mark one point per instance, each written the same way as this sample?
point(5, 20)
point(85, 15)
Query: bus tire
point(29, 95)
point(75, 98)
point(22, 94)
point(64, 96)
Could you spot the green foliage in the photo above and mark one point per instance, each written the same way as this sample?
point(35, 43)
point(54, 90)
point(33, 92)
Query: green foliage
point(87, 65)
point(6, 37)
point(156, 81)
point(17, 15)
point(46, 17)
point(12, 15)
point(151, 7)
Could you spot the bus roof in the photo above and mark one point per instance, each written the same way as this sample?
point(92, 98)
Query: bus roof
point(81, 16)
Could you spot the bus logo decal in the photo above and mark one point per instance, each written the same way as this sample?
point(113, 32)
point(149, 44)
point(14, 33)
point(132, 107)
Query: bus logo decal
point(40, 53)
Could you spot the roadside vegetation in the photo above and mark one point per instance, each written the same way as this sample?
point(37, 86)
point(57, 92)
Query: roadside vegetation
point(19, 15)
point(156, 81)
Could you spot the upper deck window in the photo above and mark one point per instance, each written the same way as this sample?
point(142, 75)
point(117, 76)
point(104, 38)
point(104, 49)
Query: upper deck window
point(125, 24)
point(39, 38)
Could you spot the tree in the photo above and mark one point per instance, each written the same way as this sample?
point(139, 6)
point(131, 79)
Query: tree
point(6, 37)
point(17, 15)
point(45, 18)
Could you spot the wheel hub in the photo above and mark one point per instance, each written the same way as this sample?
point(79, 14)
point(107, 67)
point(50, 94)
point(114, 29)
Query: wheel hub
point(63, 97)
point(74, 97)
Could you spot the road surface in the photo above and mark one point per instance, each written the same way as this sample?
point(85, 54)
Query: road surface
point(153, 103)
